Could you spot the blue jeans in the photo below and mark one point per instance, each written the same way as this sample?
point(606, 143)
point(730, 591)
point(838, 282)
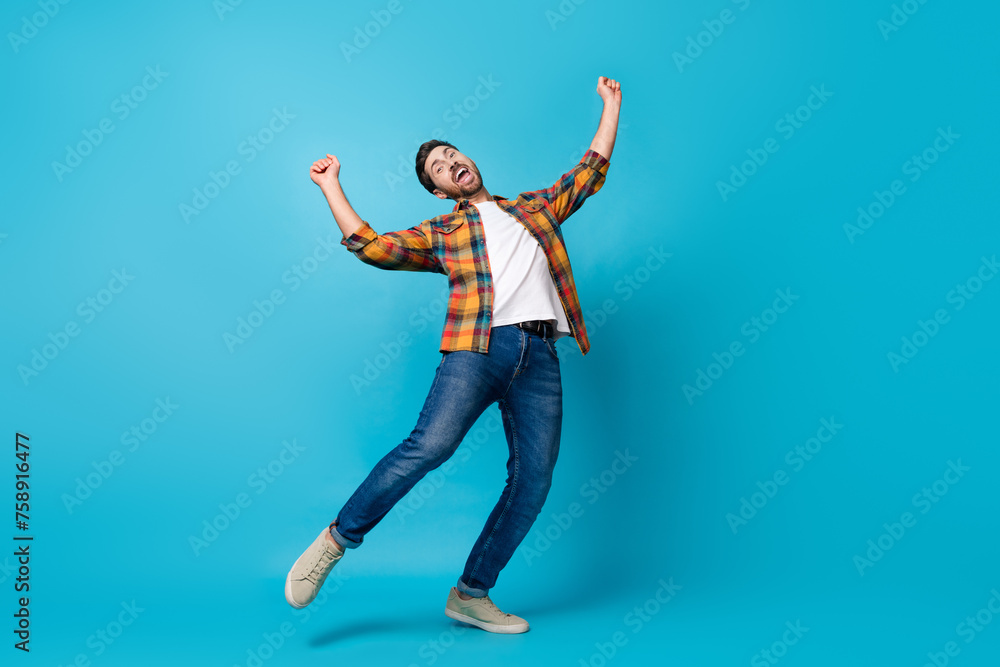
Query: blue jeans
point(520, 373)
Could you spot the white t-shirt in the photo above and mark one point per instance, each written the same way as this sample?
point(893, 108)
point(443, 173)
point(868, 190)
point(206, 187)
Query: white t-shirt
point(522, 286)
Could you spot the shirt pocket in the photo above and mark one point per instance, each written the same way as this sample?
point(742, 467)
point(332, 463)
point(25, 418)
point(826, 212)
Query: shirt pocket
point(541, 216)
point(449, 242)
point(448, 227)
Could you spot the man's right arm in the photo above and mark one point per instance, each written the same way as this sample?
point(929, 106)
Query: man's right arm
point(407, 250)
point(587, 177)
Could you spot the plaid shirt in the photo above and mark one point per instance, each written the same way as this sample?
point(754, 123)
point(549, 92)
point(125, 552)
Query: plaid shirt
point(455, 244)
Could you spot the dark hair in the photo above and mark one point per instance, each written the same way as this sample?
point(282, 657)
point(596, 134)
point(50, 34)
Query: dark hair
point(425, 149)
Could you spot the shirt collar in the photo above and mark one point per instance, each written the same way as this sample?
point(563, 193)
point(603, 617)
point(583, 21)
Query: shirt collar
point(463, 204)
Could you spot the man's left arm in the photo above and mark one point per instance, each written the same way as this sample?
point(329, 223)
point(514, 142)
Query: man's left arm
point(587, 177)
point(611, 92)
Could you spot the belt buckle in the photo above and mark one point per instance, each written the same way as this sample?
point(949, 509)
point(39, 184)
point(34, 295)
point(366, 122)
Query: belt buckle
point(540, 327)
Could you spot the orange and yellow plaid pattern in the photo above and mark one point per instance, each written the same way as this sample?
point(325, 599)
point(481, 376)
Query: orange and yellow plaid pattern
point(454, 244)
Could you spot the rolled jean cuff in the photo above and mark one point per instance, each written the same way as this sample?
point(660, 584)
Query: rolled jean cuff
point(468, 590)
point(341, 540)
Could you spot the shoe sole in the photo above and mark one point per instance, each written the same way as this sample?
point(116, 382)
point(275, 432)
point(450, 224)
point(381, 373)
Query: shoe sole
point(489, 627)
point(288, 593)
point(288, 587)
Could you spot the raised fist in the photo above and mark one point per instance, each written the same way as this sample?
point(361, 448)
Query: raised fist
point(325, 171)
point(609, 90)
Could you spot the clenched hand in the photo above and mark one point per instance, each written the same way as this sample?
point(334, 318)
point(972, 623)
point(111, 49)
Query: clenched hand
point(609, 90)
point(325, 171)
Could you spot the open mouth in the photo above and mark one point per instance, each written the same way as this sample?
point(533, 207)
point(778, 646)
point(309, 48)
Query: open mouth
point(463, 176)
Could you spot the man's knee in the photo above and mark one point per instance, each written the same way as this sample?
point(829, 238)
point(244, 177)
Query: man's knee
point(429, 451)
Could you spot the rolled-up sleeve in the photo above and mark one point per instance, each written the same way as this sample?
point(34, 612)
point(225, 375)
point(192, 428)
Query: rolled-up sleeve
point(406, 250)
point(573, 187)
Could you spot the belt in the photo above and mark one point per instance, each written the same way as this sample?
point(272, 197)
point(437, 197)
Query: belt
point(543, 328)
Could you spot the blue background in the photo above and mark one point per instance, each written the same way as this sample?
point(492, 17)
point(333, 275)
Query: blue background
point(295, 379)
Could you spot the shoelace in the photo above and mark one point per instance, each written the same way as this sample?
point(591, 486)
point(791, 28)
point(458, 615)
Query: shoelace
point(486, 600)
point(320, 569)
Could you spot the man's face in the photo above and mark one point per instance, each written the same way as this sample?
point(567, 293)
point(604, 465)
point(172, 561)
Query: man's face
point(453, 174)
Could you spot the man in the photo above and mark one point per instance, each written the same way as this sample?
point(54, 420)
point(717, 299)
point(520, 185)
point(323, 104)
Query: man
point(512, 295)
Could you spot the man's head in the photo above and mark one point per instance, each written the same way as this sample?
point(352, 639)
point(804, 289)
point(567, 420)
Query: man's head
point(447, 173)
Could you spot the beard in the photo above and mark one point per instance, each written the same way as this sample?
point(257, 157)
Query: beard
point(460, 190)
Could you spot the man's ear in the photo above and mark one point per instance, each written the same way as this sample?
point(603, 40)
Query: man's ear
point(440, 195)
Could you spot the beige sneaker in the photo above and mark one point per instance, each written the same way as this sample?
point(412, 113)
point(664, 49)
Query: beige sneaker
point(482, 613)
point(310, 570)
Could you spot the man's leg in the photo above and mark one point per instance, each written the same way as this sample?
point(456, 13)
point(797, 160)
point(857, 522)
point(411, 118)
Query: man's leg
point(532, 419)
point(465, 384)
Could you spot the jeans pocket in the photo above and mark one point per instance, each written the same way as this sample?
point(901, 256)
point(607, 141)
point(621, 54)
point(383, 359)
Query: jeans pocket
point(550, 344)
